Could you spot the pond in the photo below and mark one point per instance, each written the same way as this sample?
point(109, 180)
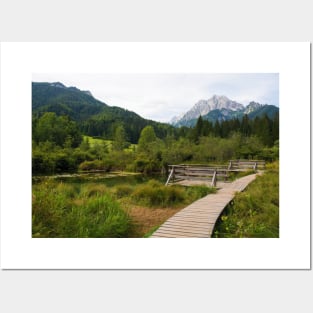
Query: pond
point(109, 179)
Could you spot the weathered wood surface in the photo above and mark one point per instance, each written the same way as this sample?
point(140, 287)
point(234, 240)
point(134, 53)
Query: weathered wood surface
point(198, 219)
point(196, 172)
point(245, 164)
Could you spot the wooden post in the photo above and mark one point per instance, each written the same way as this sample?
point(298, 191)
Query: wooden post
point(229, 165)
point(169, 177)
point(213, 184)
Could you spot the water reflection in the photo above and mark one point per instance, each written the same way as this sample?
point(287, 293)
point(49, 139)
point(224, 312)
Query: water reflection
point(109, 179)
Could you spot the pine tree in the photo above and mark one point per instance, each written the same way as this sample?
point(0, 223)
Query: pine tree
point(245, 127)
point(276, 127)
point(217, 129)
point(198, 130)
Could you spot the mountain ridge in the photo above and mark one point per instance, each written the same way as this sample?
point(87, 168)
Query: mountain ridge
point(95, 117)
point(221, 108)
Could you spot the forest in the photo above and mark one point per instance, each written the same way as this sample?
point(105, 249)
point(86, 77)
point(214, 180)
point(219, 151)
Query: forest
point(60, 144)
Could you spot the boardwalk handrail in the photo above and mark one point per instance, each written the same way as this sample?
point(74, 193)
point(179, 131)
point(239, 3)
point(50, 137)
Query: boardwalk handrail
point(196, 172)
point(204, 172)
point(169, 176)
point(245, 164)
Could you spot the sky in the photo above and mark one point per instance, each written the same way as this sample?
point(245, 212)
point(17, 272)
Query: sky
point(160, 97)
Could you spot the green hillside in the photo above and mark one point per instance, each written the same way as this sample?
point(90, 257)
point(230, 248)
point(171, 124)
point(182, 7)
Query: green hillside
point(94, 117)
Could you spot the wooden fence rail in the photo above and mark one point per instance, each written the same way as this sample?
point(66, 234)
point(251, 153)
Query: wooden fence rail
point(246, 164)
point(206, 173)
point(195, 172)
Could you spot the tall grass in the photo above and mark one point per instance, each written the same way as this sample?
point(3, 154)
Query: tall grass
point(98, 217)
point(156, 194)
point(81, 210)
point(61, 211)
point(253, 213)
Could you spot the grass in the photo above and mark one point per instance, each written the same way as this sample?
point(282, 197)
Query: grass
point(98, 141)
point(253, 213)
point(151, 231)
point(133, 207)
point(95, 209)
point(155, 194)
point(66, 211)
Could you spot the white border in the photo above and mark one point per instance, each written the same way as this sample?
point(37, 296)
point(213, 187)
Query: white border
point(20, 251)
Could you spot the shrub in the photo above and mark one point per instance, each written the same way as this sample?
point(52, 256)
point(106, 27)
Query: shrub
point(196, 192)
point(91, 190)
point(146, 166)
point(91, 165)
point(156, 194)
point(123, 190)
point(154, 183)
point(174, 194)
point(64, 163)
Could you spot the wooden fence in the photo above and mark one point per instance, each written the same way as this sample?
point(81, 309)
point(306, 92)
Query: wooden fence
point(206, 173)
point(196, 172)
point(246, 164)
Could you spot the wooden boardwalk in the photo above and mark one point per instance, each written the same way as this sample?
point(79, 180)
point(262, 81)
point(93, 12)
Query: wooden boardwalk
point(198, 219)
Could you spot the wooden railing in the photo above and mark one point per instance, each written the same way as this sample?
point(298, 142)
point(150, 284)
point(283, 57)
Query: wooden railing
point(246, 164)
point(206, 173)
point(196, 172)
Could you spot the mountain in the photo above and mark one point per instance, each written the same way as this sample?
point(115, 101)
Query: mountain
point(252, 106)
point(203, 107)
point(221, 108)
point(95, 118)
point(269, 110)
point(55, 97)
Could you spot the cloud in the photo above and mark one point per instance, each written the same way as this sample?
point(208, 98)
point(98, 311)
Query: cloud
point(162, 96)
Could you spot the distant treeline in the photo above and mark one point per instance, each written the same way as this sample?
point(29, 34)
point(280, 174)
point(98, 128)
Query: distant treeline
point(58, 144)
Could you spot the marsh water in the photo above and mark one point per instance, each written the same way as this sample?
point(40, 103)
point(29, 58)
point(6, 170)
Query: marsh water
point(108, 179)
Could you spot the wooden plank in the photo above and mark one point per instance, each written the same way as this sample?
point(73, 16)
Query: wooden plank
point(172, 236)
point(188, 224)
point(186, 234)
point(183, 230)
point(172, 227)
point(213, 209)
point(199, 218)
point(188, 219)
point(194, 217)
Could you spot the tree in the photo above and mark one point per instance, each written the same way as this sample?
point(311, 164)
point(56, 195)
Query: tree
point(245, 127)
point(147, 139)
point(266, 126)
point(198, 130)
point(217, 129)
point(119, 142)
point(59, 130)
point(276, 127)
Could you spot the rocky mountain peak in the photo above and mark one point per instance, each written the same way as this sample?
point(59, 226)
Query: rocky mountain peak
point(252, 106)
point(203, 107)
point(58, 85)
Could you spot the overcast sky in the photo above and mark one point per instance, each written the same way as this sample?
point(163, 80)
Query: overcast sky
point(162, 96)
